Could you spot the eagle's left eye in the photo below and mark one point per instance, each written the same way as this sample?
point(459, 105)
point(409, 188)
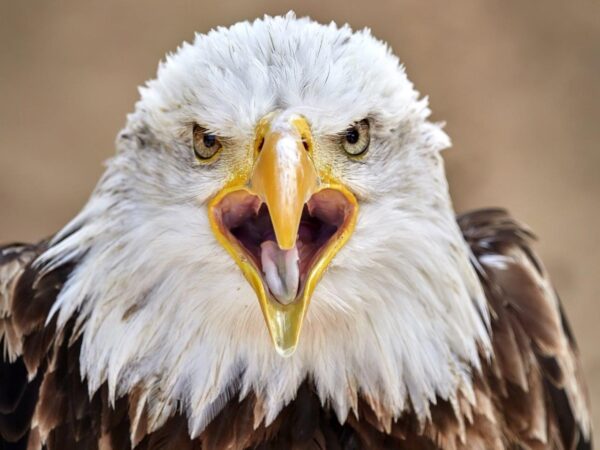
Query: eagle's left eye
point(356, 138)
point(206, 145)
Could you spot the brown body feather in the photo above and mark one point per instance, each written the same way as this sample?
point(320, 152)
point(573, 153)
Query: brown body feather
point(529, 395)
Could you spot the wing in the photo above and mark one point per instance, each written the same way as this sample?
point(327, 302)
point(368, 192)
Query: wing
point(535, 375)
point(18, 394)
point(41, 391)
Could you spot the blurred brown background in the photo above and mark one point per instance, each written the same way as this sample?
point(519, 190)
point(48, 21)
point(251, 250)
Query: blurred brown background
point(518, 83)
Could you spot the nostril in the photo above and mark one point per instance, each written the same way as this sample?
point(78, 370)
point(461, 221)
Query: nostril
point(305, 143)
point(261, 144)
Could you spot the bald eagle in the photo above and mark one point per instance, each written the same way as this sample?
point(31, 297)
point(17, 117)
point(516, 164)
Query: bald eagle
point(272, 261)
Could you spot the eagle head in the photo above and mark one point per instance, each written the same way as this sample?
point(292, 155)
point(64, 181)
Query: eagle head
point(280, 173)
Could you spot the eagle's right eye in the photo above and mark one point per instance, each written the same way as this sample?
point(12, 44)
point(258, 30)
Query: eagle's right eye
point(206, 145)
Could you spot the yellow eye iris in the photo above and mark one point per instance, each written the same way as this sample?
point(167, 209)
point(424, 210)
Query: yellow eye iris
point(206, 145)
point(356, 138)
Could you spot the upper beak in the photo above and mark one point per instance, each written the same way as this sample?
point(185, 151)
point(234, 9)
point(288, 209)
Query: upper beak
point(283, 270)
point(284, 177)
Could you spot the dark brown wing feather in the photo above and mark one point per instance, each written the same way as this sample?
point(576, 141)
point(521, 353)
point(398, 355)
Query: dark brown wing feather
point(42, 397)
point(529, 395)
point(18, 395)
point(536, 374)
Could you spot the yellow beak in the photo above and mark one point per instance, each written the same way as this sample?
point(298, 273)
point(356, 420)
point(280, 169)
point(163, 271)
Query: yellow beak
point(285, 179)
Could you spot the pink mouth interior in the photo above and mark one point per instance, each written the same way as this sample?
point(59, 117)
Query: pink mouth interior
point(246, 220)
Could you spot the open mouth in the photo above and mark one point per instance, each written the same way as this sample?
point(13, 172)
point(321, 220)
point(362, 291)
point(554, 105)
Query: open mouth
point(283, 221)
point(244, 220)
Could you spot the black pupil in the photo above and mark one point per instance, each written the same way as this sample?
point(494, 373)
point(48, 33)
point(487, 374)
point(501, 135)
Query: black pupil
point(209, 140)
point(352, 135)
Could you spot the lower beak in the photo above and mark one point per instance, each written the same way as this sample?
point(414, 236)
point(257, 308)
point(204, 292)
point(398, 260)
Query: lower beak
point(283, 226)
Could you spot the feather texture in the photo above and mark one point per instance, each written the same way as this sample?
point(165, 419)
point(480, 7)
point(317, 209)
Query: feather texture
point(528, 394)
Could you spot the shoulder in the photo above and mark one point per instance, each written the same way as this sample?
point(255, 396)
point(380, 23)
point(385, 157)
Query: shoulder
point(17, 390)
point(14, 261)
point(535, 371)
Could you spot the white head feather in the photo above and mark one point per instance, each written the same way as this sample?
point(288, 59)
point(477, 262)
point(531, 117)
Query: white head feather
point(398, 316)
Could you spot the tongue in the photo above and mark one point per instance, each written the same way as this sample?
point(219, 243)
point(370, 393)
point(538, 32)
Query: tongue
point(281, 270)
